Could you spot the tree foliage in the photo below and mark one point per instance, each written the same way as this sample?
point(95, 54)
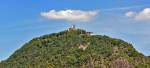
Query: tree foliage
point(61, 50)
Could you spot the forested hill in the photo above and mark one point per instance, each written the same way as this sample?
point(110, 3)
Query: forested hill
point(76, 48)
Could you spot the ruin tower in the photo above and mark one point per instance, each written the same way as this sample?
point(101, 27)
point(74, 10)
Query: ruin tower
point(73, 27)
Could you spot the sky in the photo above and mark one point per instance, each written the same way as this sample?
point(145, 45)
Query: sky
point(22, 20)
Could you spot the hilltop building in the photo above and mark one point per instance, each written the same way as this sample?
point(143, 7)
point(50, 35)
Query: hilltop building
point(73, 27)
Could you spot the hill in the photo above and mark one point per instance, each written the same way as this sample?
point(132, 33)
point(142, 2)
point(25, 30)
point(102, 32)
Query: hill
point(76, 48)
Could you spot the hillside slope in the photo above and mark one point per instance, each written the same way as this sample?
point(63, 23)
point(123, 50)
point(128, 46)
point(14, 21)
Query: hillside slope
point(76, 49)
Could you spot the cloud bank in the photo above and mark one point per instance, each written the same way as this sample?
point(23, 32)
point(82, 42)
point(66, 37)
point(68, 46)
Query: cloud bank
point(142, 16)
point(70, 15)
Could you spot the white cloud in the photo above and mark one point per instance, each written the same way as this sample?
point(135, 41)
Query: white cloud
point(70, 15)
point(130, 14)
point(142, 16)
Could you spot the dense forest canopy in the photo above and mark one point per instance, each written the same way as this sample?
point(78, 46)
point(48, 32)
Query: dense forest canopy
point(76, 48)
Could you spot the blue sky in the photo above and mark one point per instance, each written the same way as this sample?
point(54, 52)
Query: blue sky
point(21, 20)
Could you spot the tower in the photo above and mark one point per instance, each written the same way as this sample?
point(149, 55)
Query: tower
point(73, 27)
